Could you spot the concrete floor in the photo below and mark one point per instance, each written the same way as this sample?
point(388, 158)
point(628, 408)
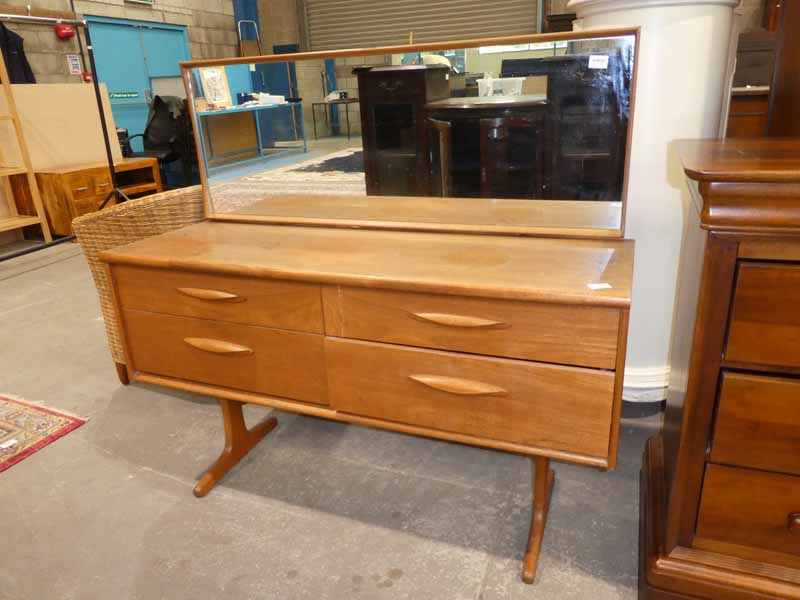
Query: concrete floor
point(318, 510)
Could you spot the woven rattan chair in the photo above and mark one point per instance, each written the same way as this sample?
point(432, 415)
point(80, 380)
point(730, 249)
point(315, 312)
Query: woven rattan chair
point(125, 223)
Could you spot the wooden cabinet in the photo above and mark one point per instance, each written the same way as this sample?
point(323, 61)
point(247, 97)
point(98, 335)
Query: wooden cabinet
point(75, 190)
point(393, 127)
point(720, 508)
point(747, 116)
point(493, 341)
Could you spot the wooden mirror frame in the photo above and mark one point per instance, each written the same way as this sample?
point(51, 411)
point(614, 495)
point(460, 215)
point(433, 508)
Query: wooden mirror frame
point(558, 216)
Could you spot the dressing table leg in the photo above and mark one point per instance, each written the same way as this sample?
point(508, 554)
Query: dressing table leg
point(122, 373)
point(238, 442)
point(543, 479)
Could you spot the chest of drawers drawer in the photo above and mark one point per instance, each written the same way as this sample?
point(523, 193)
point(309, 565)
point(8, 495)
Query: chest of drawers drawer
point(263, 302)
point(493, 398)
point(555, 333)
point(758, 423)
point(765, 318)
point(281, 363)
point(750, 509)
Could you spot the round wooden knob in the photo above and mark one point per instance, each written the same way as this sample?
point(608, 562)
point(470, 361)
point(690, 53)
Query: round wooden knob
point(794, 523)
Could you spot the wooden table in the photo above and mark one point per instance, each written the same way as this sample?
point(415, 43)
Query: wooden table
point(476, 132)
point(74, 190)
point(346, 102)
point(206, 140)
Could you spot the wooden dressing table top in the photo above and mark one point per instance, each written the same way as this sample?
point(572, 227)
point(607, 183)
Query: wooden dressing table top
point(561, 218)
point(753, 160)
point(518, 268)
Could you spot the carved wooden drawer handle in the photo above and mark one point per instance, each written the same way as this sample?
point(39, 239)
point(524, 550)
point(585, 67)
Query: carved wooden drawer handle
point(456, 385)
point(218, 346)
point(459, 320)
point(794, 523)
point(213, 295)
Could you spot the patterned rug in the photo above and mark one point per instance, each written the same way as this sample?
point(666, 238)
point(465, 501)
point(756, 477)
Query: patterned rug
point(332, 173)
point(26, 428)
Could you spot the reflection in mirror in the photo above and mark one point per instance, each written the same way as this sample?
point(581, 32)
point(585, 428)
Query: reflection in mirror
point(542, 121)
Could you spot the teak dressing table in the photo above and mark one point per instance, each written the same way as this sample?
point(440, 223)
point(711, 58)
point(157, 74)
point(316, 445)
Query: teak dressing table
point(500, 324)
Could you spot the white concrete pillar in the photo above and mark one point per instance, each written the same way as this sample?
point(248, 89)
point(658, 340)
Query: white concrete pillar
point(681, 83)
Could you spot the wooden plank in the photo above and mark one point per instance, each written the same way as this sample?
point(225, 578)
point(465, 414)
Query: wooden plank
point(67, 136)
point(11, 223)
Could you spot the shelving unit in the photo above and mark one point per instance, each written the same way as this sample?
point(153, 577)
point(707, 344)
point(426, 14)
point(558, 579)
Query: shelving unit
point(15, 221)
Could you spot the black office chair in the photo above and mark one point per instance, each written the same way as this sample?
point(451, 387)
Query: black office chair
point(166, 137)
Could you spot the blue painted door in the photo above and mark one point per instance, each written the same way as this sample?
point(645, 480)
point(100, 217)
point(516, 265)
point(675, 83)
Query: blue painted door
point(130, 55)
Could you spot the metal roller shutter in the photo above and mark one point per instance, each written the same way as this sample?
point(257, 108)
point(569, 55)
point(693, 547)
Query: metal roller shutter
point(337, 24)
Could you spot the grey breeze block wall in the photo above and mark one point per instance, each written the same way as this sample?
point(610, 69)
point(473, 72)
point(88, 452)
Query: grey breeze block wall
point(211, 29)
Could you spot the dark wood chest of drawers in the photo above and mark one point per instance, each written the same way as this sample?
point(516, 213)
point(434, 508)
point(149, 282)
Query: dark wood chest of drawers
point(721, 482)
point(393, 127)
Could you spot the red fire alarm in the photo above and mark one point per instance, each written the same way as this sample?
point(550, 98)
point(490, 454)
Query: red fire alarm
point(64, 31)
point(88, 77)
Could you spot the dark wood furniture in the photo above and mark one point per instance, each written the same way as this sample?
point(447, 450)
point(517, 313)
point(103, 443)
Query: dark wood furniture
point(589, 109)
point(720, 510)
point(747, 117)
point(559, 22)
point(74, 190)
point(393, 127)
point(327, 105)
point(471, 146)
point(784, 116)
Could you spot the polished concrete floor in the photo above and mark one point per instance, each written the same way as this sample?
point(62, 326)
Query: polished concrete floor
point(318, 510)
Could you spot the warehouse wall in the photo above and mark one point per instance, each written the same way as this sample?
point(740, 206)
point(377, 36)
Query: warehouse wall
point(211, 28)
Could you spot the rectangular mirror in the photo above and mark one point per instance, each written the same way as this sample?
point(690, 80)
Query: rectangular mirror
point(528, 134)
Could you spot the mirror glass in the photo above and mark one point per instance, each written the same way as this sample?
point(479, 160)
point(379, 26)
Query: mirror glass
point(540, 127)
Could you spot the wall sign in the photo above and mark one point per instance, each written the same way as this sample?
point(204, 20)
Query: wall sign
point(122, 95)
point(74, 64)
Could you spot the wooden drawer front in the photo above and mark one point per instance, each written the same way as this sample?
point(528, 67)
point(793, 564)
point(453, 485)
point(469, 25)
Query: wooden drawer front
point(264, 302)
point(79, 185)
point(255, 359)
point(100, 180)
point(90, 204)
point(765, 322)
point(758, 423)
point(544, 406)
point(754, 509)
point(574, 335)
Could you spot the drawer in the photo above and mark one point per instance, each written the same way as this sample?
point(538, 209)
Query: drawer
point(758, 423)
point(765, 320)
point(79, 185)
point(752, 509)
point(281, 363)
point(264, 302)
point(91, 204)
point(544, 406)
point(101, 183)
point(557, 333)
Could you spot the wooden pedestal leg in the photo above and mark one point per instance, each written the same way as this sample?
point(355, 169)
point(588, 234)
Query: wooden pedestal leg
point(238, 442)
point(543, 479)
point(122, 373)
